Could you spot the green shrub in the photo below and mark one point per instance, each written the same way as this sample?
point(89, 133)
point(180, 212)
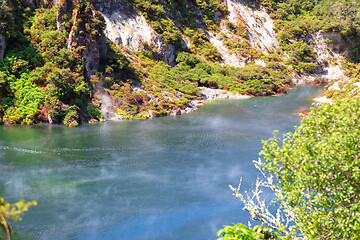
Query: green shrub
point(242, 232)
point(71, 116)
point(124, 114)
point(94, 112)
point(318, 169)
point(302, 57)
point(12, 212)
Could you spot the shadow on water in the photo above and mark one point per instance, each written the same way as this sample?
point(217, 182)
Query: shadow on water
point(164, 178)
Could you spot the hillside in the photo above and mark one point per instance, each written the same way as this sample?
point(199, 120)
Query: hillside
point(80, 61)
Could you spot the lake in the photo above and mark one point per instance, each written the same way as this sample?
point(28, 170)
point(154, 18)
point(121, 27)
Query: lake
point(163, 178)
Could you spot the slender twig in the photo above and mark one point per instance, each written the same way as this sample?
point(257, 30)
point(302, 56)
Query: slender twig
point(6, 227)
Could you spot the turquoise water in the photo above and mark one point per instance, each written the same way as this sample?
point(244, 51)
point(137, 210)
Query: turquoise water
point(164, 178)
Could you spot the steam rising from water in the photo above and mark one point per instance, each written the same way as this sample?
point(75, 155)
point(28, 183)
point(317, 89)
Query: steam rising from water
point(164, 178)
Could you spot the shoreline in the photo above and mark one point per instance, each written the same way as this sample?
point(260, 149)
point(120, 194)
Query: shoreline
point(209, 94)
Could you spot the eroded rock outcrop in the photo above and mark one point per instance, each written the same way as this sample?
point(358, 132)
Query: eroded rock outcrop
point(86, 38)
point(60, 14)
point(123, 26)
point(228, 58)
point(258, 22)
point(258, 27)
point(329, 61)
point(329, 58)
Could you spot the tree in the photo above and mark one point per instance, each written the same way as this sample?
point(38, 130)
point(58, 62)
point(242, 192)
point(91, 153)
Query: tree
point(315, 173)
point(13, 212)
point(242, 232)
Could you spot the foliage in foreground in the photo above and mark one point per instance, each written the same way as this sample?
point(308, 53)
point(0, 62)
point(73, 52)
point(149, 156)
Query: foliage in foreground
point(12, 212)
point(318, 169)
point(242, 232)
point(317, 172)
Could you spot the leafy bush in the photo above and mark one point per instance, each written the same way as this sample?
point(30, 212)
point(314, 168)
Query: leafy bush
point(40, 75)
point(200, 44)
point(301, 56)
point(252, 79)
point(94, 111)
point(12, 212)
point(154, 12)
point(242, 232)
point(318, 169)
point(72, 115)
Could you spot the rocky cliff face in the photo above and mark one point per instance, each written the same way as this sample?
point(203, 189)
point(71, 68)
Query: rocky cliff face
point(329, 56)
point(259, 32)
point(86, 37)
point(332, 50)
point(126, 27)
point(123, 26)
point(258, 23)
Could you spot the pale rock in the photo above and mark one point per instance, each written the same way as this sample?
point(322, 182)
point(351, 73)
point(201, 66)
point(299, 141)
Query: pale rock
point(209, 93)
point(95, 47)
point(329, 62)
point(125, 27)
point(260, 62)
point(260, 31)
point(259, 24)
point(228, 58)
point(327, 70)
point(322, 99)
point(62, 11)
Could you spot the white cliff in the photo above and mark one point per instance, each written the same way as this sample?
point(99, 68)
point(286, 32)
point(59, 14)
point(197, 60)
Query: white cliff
point(127, 28)
point(258, 22)
point(259, 27)
point(229, 58)
point(329, 61)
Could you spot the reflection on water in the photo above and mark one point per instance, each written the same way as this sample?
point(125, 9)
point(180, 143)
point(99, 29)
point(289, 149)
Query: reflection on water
point(164, 178)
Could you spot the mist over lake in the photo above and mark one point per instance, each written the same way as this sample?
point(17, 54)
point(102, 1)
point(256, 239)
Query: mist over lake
point(163, 178)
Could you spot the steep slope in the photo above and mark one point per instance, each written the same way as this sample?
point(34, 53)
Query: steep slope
point(123, 26)
point(259, 24)
point(126, 27)
point(320, 39)
point(139, 59)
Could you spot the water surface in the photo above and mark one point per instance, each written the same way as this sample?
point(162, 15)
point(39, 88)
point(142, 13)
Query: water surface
point(164, 178)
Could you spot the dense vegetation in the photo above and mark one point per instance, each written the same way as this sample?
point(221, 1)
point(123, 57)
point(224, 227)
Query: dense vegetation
point(317, 169)
point(242, 232)
point(45, 74)
point(40, 77)
point(297, 19)
point(314, 172)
